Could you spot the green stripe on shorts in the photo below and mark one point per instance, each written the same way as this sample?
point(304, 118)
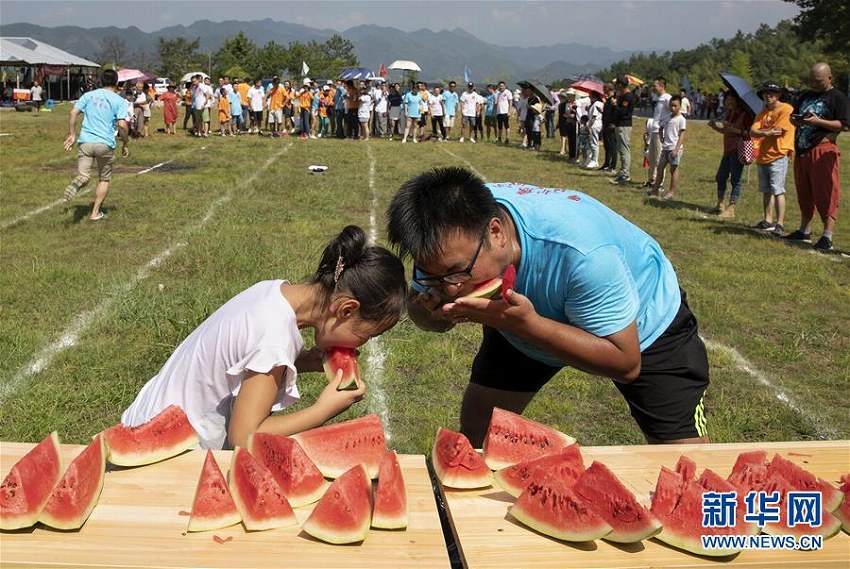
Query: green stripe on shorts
point(699, 418)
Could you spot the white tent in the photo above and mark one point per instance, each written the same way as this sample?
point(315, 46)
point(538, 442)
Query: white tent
point(27, 52)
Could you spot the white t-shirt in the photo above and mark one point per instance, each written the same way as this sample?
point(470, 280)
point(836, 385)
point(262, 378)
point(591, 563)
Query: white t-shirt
point(503, 102)
point(672, 130)
point(435, 103)
point(595, 115)
point(469, 104)
point(365, 108)
point(381, 101)
point(661, 112)
point(36, 91)
point(686, 106)
point(253, 332)
point(256, 97)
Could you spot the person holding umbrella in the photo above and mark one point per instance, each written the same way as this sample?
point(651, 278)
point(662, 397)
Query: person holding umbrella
point(736, 121)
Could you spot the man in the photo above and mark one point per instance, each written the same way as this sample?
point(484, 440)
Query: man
point(275, 100)
point(609, 133)
point(686, 104)
point(822, 112)
point(624, 106)
point(103, 111)
point(592, 291)
point(469, 107)
point(36, 92)
point(503, 107)
point(242, 87)
point(551, 109)
point(450, 101)
point(660, 115)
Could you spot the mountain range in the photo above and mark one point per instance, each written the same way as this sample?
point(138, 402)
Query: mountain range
point(441, 55)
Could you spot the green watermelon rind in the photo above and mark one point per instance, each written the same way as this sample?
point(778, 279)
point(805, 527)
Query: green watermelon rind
point(512, 438)
point(127, 444)
point(343, 490)
point(477, 475)
point(10, 520)
point(390, 510)
point(334, 448)
point(843, 512)
point(487, 289)
point(250, 519)
point(330, 363)
point(299, 495)
point(228, 514)
point(91, 462)
point(510, 478)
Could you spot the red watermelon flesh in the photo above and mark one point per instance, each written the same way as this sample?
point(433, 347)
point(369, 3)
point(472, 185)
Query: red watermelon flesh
point(344, 513)
point(297, 475)
point(567, 464)
point(390, 496)
point(512, 438)
point(456, 463)
point(554, 509)
point(508, 281)
point(749, 472)
point(259, 499)
point(802, 479)
point(615, 504)
point(830, 525)
point(166, 435)
point(344, 359)
point(487, 289)
point(29, 484)
point(713, 482)
point(336, 448)
point(686, 468)
point(76, 495)
point(213, 507)
point(668, 492)
point(843, 512)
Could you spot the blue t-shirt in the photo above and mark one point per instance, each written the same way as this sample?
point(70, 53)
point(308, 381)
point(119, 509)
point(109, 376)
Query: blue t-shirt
point(585, 265)
point(339, 98)
point(450, 100)
point(235, 103)
point(412, 102)
point(490, 104)
point(101, 110)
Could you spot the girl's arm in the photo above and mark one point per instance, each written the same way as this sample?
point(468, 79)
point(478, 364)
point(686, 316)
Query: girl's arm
point(256, 396)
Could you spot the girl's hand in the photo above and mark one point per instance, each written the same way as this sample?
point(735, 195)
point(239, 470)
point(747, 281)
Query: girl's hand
point(334, 402)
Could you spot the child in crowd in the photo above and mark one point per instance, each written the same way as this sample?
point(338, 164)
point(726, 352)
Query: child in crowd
point(224, 112)
point(672, 134)
point(236, 124)
point(241, 364)
point(583, 140)
point(364, 113)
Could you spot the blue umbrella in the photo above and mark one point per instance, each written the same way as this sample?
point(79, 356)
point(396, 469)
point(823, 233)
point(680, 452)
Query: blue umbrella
point(746, 93)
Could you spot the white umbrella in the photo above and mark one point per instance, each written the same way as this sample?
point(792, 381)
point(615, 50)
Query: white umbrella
point(404, 65)
point(188, 77)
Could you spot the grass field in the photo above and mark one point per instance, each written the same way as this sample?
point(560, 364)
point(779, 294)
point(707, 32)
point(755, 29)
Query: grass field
point(91, 310)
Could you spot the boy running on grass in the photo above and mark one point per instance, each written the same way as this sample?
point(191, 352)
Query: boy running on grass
point(672, 133)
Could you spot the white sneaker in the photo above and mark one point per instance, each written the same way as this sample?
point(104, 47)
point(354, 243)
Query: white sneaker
point(461, 139)
point(415, 141)
point(472, 140)
point(592, 165)
point(404, 141)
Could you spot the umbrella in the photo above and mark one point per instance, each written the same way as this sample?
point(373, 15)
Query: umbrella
point(746, 93)
point(588, 85)
point(356, 73)
point(538, 89)
point(133, 75)
point(405, 65)
point(188, 77)
point(635, 80)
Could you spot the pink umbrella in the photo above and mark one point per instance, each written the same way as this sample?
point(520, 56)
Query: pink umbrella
point(134, 75)
point(588, 85)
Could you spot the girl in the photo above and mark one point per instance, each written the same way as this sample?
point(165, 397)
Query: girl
point(364, 113)
point(241, 363)
point(169, 109)
point(735, 123)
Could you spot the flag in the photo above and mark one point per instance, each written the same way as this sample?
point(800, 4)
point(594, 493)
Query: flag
point(304, 69)
point(467, 74)
point(383, 71)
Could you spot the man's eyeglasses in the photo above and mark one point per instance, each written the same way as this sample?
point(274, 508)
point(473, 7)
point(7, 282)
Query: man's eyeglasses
point(457, 277)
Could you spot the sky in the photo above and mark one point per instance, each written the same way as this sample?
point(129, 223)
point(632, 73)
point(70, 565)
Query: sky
point(640, 25)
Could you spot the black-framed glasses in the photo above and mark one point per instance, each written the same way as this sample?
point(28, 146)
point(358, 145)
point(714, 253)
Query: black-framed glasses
point(454, 278)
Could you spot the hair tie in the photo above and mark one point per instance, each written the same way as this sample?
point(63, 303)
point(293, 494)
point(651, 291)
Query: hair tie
point(340, 265)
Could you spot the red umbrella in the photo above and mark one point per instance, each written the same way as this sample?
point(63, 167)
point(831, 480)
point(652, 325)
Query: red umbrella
point(134, 75)
point(588, 85)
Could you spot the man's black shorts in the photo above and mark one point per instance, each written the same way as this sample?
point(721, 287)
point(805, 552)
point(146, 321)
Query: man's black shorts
point(665, 399)
point(502, 120)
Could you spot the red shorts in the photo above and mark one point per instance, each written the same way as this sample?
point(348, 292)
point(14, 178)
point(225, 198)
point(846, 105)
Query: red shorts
point(816, 177)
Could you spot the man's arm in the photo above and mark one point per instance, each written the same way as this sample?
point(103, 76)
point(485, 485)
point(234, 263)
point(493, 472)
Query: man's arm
point(72, 128)
point(124, 135)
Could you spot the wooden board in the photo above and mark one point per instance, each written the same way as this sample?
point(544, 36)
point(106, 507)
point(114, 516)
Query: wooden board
point(487, 535)
point(137, 523)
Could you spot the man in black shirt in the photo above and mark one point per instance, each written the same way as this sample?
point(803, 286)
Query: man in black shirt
point(609, 134)
point(624, 105)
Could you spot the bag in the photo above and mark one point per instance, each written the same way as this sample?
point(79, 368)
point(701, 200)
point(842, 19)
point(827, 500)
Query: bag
point(746, 151)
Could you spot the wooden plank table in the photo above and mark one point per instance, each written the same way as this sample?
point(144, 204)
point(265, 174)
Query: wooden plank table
point(137, 523)
point(489, 537)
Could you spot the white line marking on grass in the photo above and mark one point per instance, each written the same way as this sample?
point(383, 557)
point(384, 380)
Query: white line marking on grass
point(465, 161)
point(823, 431)
point(155, 166)
point(376, 353)
point(71, 335)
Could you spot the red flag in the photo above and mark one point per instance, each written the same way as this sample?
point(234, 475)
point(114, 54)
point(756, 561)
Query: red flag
point(383, 71)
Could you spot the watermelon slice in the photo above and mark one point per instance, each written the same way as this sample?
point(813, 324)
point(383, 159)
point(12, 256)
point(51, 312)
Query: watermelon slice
point(76, 495)
point(213, 507)
point(456, 463)
point(297, 475)
point(390, 496)
point(668, 492)
point(29, 485)
point(166, 435)
point(801, 479)
point(512, 438)
point(568, 464)
point(344, 513)
point(344, 359)
point(615, 504)
point(553, 508)
point(508, 281)
point(749, 472)
point(259, 499)
point(843, 512)
point(336, 448)
point(487, 289)
point(686, 468)
point(830, 525)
